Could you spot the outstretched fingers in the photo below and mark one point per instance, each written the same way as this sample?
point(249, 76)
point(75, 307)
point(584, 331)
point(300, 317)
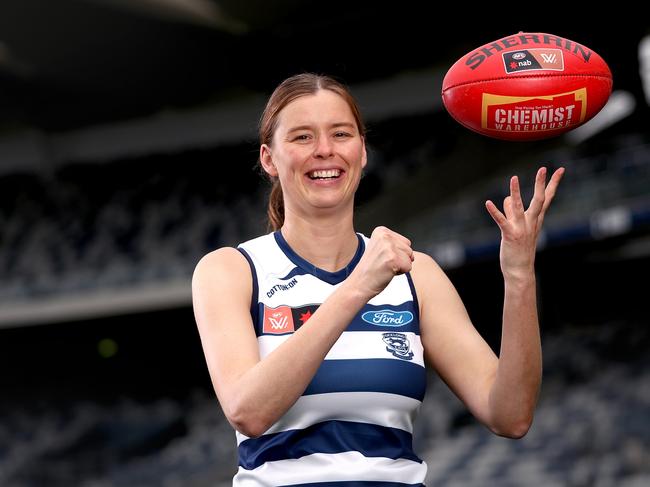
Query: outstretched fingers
point(513, 206)
point(549, 193)
point(496, 215)
point(507, 207)
point(539, 196)
point(515, 198)
point(552, 187)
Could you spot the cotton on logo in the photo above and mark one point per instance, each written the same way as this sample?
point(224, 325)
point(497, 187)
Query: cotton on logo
point(278, 320)
point(549, 58)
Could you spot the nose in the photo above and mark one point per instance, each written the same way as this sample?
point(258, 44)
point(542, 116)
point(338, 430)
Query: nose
point(324, 148)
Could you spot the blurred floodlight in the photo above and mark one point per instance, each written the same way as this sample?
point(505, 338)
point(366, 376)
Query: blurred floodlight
point(610, 222)
point(449, 254)
point(644, 66)
point(620, 105)
point(200, 12)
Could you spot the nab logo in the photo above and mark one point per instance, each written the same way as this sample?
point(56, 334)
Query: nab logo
point(533, 60)
point(278, 320)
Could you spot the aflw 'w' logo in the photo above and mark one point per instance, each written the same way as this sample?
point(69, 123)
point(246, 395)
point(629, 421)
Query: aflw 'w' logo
point(278, 321)
point(549, 58)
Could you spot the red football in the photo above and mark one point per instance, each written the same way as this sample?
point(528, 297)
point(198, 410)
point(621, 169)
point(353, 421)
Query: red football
point(527, 86)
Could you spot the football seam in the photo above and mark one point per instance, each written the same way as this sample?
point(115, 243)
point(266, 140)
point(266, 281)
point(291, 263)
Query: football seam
point(609, 78)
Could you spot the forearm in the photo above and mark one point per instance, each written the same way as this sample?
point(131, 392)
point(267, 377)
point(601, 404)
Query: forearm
point(514, 393)
point(272, 386)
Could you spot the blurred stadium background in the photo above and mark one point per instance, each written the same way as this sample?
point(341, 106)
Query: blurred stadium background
point(127, 151)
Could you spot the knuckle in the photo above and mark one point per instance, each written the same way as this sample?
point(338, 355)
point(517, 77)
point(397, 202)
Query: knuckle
point(380, 230)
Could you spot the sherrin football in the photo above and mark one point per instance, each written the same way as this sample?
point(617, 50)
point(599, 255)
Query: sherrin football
point(527, 86)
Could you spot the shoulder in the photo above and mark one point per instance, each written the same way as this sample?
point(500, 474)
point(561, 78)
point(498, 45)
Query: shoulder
point(424, 266)
point(224, 264)
point(232, 260)
point(225, 257)
point(429, 279)
point(440, 303)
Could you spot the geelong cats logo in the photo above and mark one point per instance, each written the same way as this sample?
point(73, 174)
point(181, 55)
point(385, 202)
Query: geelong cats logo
point(398, 345)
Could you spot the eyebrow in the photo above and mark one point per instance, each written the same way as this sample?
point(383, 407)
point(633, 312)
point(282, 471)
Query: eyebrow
point(309, 127)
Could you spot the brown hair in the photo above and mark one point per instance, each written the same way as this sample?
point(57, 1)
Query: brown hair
point(286, 92)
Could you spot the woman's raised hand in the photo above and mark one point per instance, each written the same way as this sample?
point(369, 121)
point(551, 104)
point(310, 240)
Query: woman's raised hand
point(519, 227)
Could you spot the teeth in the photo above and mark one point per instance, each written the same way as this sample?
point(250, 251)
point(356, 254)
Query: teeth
point(329, 173)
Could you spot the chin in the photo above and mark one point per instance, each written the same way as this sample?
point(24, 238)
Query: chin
point(331, 204)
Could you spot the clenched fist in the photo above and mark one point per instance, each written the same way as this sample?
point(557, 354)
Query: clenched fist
point(387, 254)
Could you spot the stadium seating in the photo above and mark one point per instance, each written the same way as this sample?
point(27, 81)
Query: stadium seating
point(590, 428)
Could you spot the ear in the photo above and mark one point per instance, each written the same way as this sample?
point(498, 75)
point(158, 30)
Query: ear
point(364, 154)
point(267, 161)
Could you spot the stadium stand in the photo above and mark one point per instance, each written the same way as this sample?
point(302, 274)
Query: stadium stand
point(590, 429)
point(129, 223)
point(133, 222)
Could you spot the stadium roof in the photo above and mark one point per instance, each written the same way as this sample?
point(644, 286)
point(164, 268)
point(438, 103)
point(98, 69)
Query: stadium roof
point(68, 64)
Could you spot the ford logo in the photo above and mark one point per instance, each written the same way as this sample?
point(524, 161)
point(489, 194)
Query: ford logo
point(387, 317)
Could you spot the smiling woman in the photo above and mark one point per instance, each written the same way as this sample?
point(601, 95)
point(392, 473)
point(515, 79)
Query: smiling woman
point(317, 153)
point(294, 133)
point(316, 336)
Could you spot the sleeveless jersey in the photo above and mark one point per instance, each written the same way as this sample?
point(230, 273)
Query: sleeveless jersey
point(353, 424)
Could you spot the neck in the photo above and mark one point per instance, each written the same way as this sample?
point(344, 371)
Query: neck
point(328, 242)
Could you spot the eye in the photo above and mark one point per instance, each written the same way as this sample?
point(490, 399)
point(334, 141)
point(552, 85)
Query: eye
point(341, 135)
point(301, 137)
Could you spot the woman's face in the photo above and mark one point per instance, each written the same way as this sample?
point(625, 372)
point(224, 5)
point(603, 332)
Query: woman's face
point(317, 152)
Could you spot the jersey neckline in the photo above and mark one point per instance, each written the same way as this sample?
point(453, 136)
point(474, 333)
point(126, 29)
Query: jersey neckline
point(327, 276)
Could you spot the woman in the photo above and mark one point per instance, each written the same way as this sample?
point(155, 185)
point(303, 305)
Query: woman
point(316, 336)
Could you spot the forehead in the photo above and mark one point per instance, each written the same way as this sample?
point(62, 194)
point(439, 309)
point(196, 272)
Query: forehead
point(322, 108)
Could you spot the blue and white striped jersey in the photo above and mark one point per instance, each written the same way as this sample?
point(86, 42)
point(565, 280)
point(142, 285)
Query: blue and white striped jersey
point(353, 424)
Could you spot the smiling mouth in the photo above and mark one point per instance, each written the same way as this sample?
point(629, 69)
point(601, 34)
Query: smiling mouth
point(325, 174)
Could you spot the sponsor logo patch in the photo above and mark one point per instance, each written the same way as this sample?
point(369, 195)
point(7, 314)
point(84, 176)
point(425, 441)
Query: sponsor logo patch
point(533, 60)
point(278, 320)
point(533, 113)
point(387, 317)
point(285, 319)
point(398, 345)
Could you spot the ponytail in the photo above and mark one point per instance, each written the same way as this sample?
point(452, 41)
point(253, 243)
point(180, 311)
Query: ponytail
point(275, 210)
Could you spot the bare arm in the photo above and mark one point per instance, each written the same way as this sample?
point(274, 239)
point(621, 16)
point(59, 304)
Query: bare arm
point(452, 345)
point(501, 392)
point(255, 393)
point(516, 386)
